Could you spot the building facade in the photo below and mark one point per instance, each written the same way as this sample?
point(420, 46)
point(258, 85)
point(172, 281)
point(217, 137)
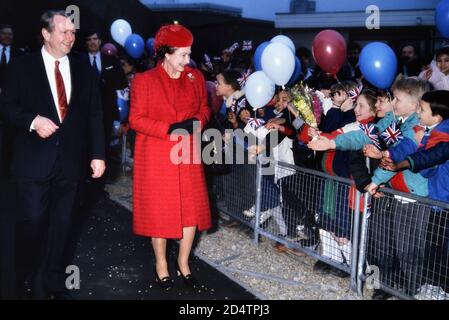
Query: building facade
point(395, 22)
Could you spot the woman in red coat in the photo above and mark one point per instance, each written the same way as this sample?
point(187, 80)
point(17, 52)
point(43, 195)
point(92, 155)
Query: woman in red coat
point(168, 109)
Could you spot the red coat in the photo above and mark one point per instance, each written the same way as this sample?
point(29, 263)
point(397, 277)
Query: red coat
point(167, 196)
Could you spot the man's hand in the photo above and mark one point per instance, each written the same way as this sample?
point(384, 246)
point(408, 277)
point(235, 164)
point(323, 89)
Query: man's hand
point(44, 127)
point(98, 168)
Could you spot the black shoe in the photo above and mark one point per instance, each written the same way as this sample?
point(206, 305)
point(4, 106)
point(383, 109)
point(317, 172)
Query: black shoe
point(189, 279)
point(165, 283)
point(379, 294)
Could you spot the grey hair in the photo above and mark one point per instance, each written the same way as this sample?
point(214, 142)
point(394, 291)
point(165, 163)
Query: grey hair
point(47, 17)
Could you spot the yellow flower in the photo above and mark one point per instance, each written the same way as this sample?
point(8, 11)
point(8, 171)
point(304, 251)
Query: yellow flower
point(303, 103)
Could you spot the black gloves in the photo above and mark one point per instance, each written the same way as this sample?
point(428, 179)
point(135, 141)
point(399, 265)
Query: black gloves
point(187, 125)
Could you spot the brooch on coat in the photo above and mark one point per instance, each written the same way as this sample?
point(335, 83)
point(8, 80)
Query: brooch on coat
point(191, 76)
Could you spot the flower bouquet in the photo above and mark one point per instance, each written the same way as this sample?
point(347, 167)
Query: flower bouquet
point(307, 104)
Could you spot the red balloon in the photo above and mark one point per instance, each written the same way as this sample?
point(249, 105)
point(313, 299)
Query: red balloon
point(214, 101)
point(329, 51)
point(109, 49)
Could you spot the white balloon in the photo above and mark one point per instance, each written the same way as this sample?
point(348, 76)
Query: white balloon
point(120, 30)
point(278, 62)
point(285, 40)
point(259, 89)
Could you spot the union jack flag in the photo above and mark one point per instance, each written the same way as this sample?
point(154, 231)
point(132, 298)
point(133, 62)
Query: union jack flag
point(255, 123)
point(241, 104)
point(354, 93)
point(208, 62)
point(371, 132)
point(245, 75)
point(232, 48)
point(392, 134)
point(247, 45)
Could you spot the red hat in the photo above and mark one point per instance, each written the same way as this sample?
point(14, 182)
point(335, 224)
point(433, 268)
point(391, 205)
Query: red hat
point(173, 35)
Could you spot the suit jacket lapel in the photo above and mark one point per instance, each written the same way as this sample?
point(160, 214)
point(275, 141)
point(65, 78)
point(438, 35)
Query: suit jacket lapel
point(75, 77)
point(45, 89)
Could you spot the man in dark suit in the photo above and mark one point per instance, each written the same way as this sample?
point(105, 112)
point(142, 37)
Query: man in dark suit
point(112, 78)
point(409, 63)
point(8, 53)
point(52, 99)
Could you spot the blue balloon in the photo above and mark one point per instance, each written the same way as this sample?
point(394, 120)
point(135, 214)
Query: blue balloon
point(259, 89)
point(378, 64)
point(278, 63)
point(150, 46)
point(257, 59)
point(134, 45)
point(123, 109)
point(442, 18)
point(296, 72)
point(120, 31)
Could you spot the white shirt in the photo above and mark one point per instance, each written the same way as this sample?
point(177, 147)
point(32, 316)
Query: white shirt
point(64, 68)
point(7, 52)
point(97, 60)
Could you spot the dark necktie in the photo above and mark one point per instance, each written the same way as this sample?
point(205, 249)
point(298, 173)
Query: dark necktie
point(3, 61)
point(94, 65)
point(399, 123)
point(62, 98)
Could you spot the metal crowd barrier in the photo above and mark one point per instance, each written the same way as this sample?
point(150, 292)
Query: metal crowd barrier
point(398, 243)
point(304, 209)
point(404, 246)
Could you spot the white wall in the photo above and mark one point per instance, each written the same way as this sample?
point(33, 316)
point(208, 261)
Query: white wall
point(255, 9)
point(360, 5)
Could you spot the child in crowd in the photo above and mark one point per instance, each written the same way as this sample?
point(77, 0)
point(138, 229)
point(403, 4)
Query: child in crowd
point(438, 73)
point(433, 114)
point(229, 87)
point(407, 94)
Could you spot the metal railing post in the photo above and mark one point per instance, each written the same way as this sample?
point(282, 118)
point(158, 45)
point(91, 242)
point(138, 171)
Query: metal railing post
point(258, 200)
point(362, 245)
point(355, 242)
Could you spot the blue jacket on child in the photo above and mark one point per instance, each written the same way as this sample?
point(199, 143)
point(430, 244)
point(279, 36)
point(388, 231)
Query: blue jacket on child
point(438, 188)
point(424, 159)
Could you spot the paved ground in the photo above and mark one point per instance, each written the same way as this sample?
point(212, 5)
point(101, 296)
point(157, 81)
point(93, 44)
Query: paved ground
point(115, 264)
